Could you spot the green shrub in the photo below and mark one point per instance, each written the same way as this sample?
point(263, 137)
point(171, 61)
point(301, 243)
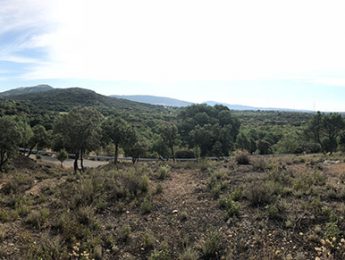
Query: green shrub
point(7, 215)
point(37, 218)
point(212, 247)
point(160, 255)
point(189, 254)
point(237, 194)
point(86, 216)
point(259, 165)
point(71, 229)
point(46, 248)
point(148, 241)
point(146, 206)
point(242, 157)
point(231, 207)
point(277, 211)
point(164, 171)
point(332, 230)
point(124, 234)
point(260, 193)
point(185, 154)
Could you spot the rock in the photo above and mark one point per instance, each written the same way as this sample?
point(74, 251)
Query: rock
point(175, 211)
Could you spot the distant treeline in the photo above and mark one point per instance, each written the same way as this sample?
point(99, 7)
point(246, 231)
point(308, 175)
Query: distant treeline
point(192, 132)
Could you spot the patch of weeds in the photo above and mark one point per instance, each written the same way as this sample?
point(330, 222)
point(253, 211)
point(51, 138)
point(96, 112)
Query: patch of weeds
point(216, 190)
point(159, 189)
point(160, 255)
point(259, 165)
point(164, 172)
point(70, 228)
point(124, 234)
point(134, 184)
point(237, 194)
point(277, 211)
point(216, 184)
point(231, 207)
point(213, 247)
point(304, 182)
point(8, 215)
point(37, 218)
point(282, 177)
point(86, 216)
point(332, 230)
point(46, 248)
point(17, 184)
point(189, 254)
point(146, 206)
point(148, 241)
point(260, 193)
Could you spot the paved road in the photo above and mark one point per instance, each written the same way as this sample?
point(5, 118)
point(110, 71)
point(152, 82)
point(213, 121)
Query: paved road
point(69, 162)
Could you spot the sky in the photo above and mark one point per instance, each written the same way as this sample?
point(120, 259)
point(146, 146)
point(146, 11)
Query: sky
point(267, 53)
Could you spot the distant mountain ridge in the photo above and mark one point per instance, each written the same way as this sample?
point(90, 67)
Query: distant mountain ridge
point(80, 96)
point(26, 90)
point(46, 98)
point(155, 100)
point(232, 106)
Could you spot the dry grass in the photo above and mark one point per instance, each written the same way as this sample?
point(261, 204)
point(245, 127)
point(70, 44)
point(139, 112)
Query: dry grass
point(278, 207)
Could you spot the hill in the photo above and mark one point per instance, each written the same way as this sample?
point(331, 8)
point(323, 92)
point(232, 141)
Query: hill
point(26, 90)
point(155, 100)
point(37, 106)
point(63, 100)
point(251, 108)
point(232, 106)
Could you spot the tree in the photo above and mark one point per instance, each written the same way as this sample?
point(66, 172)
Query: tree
point(169, 135)
point(325, 129)
point(160, 147)
point(25, 131)
point(314, 128)
point(207, 127)
point(332, 124)
point(115, 130)
point(264, 147)
point(78, 131)
point(62, 156)
point(10, 138)
point(342, 141)
point(40, 138)
point(135, 146)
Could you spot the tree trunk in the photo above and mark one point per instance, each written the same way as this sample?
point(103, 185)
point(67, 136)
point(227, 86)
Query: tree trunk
point(76, 162)
point(173, 153)
point(30, 151)
point(3, 159)
point(116, 153)
point(82, 160)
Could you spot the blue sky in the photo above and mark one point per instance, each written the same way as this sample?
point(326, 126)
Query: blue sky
point(266, 53)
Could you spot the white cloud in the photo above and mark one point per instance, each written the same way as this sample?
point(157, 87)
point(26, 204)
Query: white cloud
point(157, 40)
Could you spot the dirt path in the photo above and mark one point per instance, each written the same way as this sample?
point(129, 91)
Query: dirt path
point(36, 189)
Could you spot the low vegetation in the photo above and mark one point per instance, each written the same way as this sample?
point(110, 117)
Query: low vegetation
point(206, 210)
